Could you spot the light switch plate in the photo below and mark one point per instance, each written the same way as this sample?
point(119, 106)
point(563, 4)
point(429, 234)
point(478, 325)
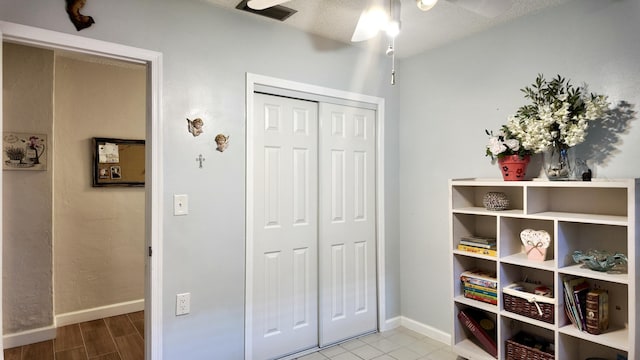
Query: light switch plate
point(180, 204)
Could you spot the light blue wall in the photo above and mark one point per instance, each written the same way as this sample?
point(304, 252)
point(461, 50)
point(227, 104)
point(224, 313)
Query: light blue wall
point(456, 92)
point(206, 53)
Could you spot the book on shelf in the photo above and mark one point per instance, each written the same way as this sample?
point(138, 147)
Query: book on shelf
point(482, 328)
point(477, 250)
point(478, 239)
point(482, 290)
point(572, 301)
point(580, 299)
point(480, 277)
point(481, 297)
point(597, 307)
point(480, 287)
point(567, 308)
point(491, 246)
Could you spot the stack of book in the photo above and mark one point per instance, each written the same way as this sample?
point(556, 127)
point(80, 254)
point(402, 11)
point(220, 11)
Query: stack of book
point(478, 245)
point(588, 309)
point(480, 285)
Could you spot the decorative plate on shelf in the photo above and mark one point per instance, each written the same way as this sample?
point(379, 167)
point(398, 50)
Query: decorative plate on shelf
point(600, 260)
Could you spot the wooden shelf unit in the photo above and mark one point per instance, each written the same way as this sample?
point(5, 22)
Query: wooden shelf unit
point(601, 214)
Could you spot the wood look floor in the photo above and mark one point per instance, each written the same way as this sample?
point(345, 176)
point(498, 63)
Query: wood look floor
point(115, 338)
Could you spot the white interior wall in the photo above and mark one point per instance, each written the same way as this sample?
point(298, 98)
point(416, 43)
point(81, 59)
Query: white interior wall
point(206, 54)
point(458, 91)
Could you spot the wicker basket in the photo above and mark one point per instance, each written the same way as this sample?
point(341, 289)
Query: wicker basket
point(527, 304)
point(518, 351)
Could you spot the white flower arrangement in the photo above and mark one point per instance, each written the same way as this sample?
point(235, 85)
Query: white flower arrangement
point(505, 144)
point(559, 115)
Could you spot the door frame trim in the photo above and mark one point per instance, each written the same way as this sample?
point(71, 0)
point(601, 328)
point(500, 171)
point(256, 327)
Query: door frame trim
point(27, 35)
point(254, 81)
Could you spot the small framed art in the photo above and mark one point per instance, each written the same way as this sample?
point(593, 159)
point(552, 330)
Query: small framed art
point(24, 151)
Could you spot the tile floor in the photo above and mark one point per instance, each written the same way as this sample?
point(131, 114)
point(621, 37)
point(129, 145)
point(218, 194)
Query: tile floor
point(396, 344)
point(85, 341)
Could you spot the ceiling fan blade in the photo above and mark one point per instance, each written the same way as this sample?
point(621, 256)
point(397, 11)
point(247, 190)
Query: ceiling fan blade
point(263, 4)
point(486, 8)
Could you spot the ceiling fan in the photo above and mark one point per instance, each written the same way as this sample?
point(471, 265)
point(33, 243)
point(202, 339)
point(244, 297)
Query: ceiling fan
point(384, 15)
point(376, 18)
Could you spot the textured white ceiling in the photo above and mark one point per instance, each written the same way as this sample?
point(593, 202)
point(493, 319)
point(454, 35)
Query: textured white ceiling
point(421, 31)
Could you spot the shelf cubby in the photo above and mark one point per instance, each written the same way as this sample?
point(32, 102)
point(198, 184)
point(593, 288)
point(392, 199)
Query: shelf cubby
point(473, 225)
point(577, 200)
point(470, 197)
point(583, 236)
point(580, 346)
point(464, 341)
point(510, 243)
point(618, 306)
point(510, 327)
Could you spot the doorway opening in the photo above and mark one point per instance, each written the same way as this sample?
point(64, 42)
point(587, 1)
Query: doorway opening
point(25, 35)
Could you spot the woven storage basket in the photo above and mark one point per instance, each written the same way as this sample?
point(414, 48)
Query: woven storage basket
point(527, 304)
point(518, 351)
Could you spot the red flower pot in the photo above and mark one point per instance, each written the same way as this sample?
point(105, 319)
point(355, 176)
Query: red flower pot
point(514, 167)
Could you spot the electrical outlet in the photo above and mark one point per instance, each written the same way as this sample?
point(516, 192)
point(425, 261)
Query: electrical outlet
point(183, 304)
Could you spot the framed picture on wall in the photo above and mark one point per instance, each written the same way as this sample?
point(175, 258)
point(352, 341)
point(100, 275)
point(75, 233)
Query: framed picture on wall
point(118, 162)
point(24, 151)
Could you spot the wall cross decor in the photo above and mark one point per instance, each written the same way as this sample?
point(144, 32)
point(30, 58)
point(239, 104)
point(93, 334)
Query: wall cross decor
point(200, 159)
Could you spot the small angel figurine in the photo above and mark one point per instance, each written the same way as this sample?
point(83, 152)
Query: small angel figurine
point(195, 126)
point(222, 142)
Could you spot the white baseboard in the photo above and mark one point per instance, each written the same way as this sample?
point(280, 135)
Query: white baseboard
point(99, 312)
point(49, 332)
point(29, 337)
point(391, 324)
point(426, 330)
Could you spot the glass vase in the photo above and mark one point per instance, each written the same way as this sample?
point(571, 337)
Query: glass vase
point(558, 162)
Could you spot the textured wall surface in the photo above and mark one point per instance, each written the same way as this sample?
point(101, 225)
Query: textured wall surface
point(99, 232)
point(27, 222)
point(96, 255)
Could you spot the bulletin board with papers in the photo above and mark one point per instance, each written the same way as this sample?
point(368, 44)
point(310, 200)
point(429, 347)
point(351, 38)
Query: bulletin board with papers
point(118, 162)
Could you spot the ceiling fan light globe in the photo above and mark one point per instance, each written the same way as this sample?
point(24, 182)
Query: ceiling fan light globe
point(393, 29)
point(377, 18)
point(426, 5)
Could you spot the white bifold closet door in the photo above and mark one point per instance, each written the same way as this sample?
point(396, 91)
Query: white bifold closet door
point(314, 225)
point(347, 223)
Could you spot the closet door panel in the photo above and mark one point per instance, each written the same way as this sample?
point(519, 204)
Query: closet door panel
point(285, 227)
point(347, 223)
